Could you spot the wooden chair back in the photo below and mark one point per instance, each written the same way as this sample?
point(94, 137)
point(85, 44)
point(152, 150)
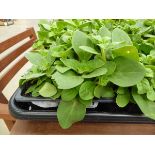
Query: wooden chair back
point(4, 62)
point(8, 58)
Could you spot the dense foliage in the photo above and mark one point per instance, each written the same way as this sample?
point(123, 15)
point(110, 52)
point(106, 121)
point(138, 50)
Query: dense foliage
point(79, 60)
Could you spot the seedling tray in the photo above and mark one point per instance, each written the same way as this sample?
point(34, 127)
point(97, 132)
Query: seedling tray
point(105, 110)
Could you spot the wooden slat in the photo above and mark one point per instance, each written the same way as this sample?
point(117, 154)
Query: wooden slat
point(46, 128)
point(15, 39)
point(3, 98)
point(8, 59)
point(30, 33)
point(4, 112)
point(9, 124)
point(9, 75)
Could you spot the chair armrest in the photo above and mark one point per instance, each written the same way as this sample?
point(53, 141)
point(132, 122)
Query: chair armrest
point(4, 112)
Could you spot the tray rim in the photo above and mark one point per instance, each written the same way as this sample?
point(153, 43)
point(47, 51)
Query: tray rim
point(89, 117)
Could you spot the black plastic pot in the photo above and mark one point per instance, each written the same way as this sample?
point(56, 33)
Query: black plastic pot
point(106, 110)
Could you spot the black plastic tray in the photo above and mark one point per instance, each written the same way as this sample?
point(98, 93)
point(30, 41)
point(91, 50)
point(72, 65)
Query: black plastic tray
point(107, 111)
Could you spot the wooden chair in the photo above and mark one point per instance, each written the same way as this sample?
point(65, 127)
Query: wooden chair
point(29, 33)
point(49, 127)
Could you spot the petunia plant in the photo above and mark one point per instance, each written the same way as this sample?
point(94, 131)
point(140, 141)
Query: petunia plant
point(79, 60)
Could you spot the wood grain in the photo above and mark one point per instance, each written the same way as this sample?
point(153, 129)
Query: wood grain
point(17, 38)
point(13, 55)
point(4, 111)
point(22, 127)
point(29, 33)
point(10, 74)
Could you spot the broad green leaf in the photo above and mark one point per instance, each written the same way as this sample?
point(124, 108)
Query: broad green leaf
point(82, 67)
point(57, 95)
point(127, 51)
point(123, 97)
point(81, 39)
point(69, 94)
point(66, 38)
point(119, 35)
point(110, 66)
point(70, 22)
point(57, 51)
point(122, 100)
point(145, 105)
point(36, 59)
point(104, 92)
point(88, 49)
point(98, 91)
point(62, 69)
point(121, 90)
point(71, 63)
point(104, 32)
point(45, 24)
point(96, 73)
point(86, 91)
point(85, 24)
point(48, 90)
point(66, 81)
point(108, 92)
point(32, 75)
point(70, 112)
point(128, 72)
point(87, 103)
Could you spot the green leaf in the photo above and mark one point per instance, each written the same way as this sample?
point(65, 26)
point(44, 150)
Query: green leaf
point(145, 105)
point(119, 35)
point(108, 92)
point(62, 69)
point(122, 100)
point(66, 81)
point(32, 75)
point(149, 73)
point(31, 89)
point(128, 72)
point(35, 92)
point(151, 94)
point(104, 32)
point(87, 103)
point(88, 49)
point(123, 97)
point(121, 90)
point(57, 51)
point(69, 94)
point(110, 66)
point(57, 95)
point(146, 47)
point(82, 67)
point(127, 51)
point(98, 91)
point(81, 39)
point(86, 91)
point(71, 63)
point(48, 90)
point(96, 73)
point(70, 112)
point(45, 24)
point(103, 80)
point(143, 86)
point(36, 59)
